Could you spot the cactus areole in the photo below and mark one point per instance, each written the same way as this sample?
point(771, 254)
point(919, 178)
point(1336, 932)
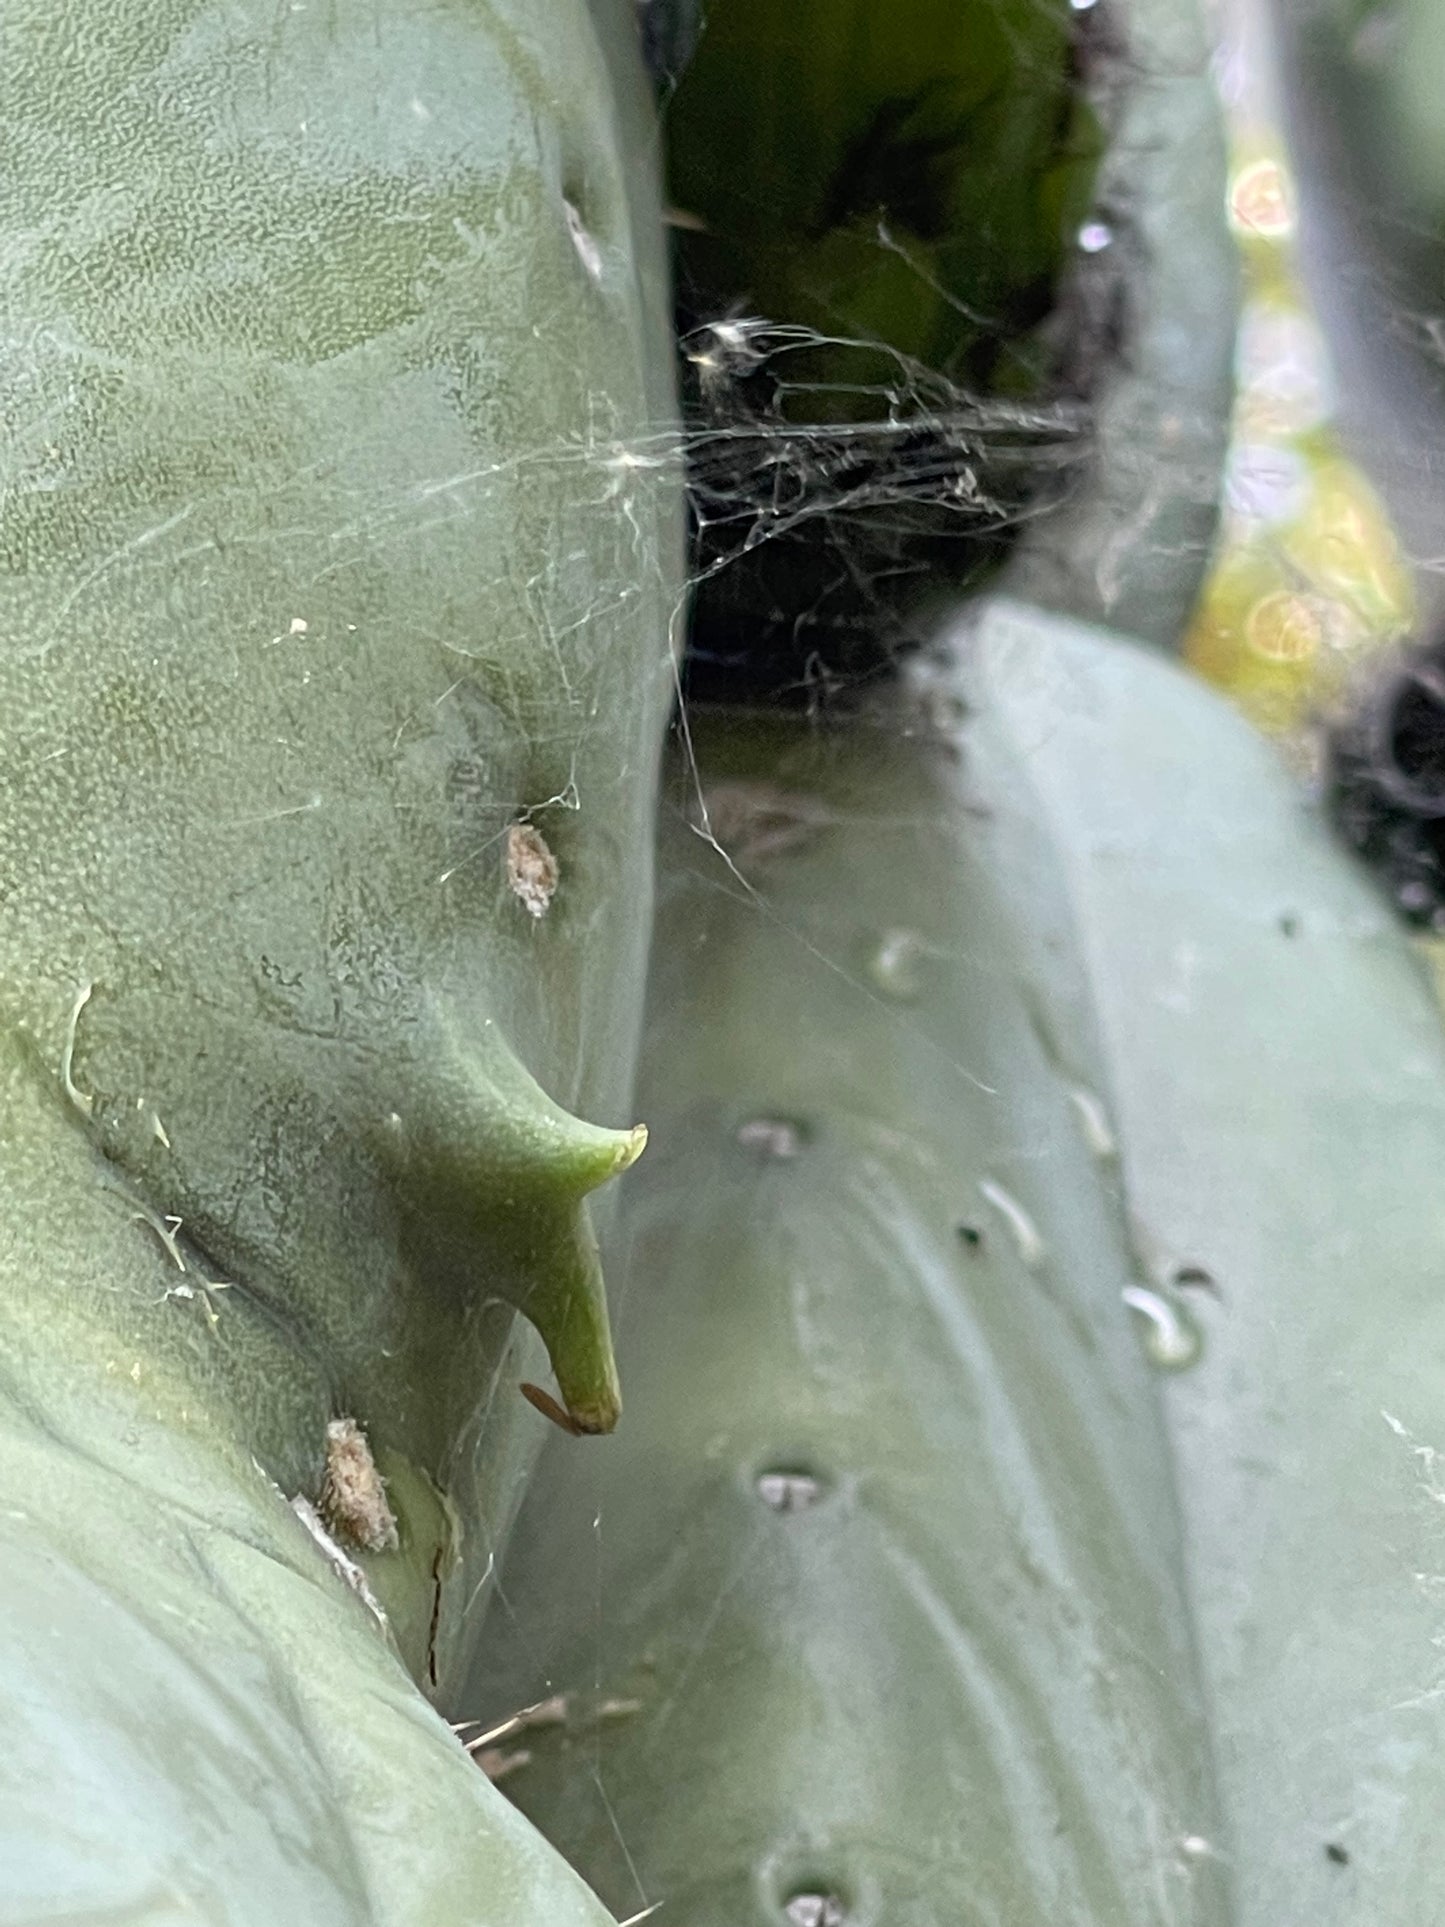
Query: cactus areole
point(330, 555)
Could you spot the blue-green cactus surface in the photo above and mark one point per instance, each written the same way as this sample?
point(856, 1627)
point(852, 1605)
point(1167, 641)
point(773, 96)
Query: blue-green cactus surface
point(877, 1596)
point(1029, 1508)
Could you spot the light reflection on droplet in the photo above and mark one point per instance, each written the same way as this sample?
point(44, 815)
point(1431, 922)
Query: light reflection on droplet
point(815, 1910)
point(1095, 236)
point(1168, 1332)
point(771, 1137)
point(1094, 1126)
point(1026, 1234)
point(1196, 1847)
point(896, 965)
point(789, 1491)
point(583, 240)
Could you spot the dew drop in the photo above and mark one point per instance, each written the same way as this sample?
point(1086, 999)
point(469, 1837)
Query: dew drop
point(1024, 1231)
point(789, 1491)
point(815, 1910)
point(1168, 1332)
point(772, 1137)
point(1095, 236)
point(1094, 1126)
point(896, 966)
point(584, 241)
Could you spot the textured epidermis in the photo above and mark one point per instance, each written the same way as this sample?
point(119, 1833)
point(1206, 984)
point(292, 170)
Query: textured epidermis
point(328, 553)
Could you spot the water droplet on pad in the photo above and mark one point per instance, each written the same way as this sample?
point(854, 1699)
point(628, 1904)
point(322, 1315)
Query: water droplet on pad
point(1024, 1232)
point(789, 1491)
point(815, 1910)
point(1093, 1121)
point(772, 1137)
point(1169, 1334)
point(896, 966)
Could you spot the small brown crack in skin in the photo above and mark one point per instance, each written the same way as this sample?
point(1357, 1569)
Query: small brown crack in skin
point(532, 871)
point(433, 1636)
point(353, 1493)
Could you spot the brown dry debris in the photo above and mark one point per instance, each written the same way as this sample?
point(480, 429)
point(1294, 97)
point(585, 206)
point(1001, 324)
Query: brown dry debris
point(353, 1493)
point(532, 871)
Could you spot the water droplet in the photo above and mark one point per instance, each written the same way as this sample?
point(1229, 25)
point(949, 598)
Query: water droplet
point(789, 1491)
point(1095, 236)
point(1170, 1337)
point(772, 1137)
point(583, 240)
point(1025, 1233)
point(815, 1910)
point(896, 966)
point(1094, 1125)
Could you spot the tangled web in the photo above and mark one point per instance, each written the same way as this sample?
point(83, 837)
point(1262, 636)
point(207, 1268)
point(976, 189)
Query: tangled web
point(871, 408)
point(825, 514)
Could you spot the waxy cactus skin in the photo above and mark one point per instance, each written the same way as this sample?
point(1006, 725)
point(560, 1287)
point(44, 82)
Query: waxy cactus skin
point(335, 541)
point(895, 1603)
point(878, 1592)
point(1277, 1073)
